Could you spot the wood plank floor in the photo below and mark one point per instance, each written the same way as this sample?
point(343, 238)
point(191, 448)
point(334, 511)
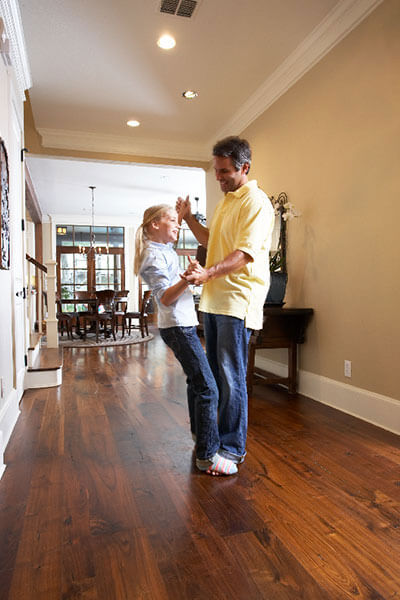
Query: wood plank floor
point(101, 500)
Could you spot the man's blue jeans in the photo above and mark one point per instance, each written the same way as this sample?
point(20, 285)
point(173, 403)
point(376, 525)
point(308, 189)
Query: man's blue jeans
point(227, 341)
point(202, 391)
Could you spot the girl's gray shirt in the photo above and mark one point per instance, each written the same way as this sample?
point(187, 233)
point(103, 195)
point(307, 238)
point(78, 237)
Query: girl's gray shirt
point(160, 269)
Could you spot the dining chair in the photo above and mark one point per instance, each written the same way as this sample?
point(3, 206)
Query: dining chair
point(141, 316)
point(121, 306)
point(81, 314)
point(64, 319)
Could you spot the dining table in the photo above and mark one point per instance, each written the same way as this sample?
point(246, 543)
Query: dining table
point(83, 301)
point(81, 305)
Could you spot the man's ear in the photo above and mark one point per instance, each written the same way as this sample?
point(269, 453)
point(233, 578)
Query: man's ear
point(245, 168)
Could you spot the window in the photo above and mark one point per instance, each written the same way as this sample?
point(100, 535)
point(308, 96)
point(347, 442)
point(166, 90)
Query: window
point(79, 269)
point(186, 246)
point(108, 271)
point(73, 273)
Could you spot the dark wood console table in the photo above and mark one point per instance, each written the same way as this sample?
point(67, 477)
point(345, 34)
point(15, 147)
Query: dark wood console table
point(283, 328)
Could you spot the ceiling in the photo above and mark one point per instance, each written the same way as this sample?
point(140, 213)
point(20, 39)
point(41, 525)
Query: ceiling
point(96, 64)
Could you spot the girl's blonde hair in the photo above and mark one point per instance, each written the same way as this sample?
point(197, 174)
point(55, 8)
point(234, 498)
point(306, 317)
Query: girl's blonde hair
point(154, 213)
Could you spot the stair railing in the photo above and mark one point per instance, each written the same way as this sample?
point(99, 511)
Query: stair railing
point(38, 312)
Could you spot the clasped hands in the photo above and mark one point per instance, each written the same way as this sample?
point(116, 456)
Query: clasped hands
point(195, 273)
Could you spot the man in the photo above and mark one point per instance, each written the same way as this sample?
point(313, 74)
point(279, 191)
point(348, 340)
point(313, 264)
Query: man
point(236, 282)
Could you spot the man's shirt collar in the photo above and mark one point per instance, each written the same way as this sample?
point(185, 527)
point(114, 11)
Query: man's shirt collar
point(242, 191)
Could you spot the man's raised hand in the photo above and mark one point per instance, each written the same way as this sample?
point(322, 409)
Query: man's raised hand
point(183, 208)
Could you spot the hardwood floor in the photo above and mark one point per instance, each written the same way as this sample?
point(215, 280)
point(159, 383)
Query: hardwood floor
point(101, 500)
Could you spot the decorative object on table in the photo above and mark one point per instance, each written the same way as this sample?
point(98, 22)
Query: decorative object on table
point(277, 289)
point(284, 211)
point(5, 212)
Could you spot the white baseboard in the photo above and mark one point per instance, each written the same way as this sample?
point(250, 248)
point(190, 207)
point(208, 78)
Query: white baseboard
point(20, 383)
point(8, 417)
point(376, 409)
point(2, 464)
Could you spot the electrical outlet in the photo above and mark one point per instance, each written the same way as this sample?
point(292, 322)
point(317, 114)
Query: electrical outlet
point(347, 368)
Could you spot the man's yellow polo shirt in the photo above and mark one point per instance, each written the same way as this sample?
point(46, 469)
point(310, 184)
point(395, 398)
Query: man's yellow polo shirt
point(243, 220)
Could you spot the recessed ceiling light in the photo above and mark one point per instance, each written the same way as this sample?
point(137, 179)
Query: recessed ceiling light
point(133, 123)
point(166, 42)
point(190, 94)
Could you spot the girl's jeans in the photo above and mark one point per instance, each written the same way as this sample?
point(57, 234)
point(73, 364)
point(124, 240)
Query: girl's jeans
point(202, 391)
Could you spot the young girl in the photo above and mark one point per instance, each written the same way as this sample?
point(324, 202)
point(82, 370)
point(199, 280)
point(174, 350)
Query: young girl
point(157, 263)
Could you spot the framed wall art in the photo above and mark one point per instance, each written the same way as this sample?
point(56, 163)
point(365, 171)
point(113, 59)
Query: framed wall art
point(5, 211)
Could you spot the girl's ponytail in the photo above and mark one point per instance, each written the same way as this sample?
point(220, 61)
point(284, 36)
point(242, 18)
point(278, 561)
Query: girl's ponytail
point(139, 247)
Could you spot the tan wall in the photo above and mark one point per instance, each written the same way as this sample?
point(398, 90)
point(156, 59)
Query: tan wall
point(213, 191)
point(332, 142)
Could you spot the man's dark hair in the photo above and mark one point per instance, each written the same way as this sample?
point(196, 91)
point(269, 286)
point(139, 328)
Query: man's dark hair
point(235, 148)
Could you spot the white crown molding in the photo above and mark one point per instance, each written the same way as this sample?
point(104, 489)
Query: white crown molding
point(339, 22)
point(101, 221)
point(10, 13)
point(93, 142)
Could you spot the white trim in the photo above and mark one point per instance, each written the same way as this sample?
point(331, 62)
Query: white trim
point(2, 463)
point(129, 220)
point(114, 144)
point(10, 12)
point(377, 409)
point(33, 353)
point(18, 108)
point(116, 162)
point(43, 379)
point(8, 418)
point(339, 22)
point(20, 377)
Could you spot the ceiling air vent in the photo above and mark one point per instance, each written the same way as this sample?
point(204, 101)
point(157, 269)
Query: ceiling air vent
point(180, 8)
point(186, 8)
point(169, 6)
